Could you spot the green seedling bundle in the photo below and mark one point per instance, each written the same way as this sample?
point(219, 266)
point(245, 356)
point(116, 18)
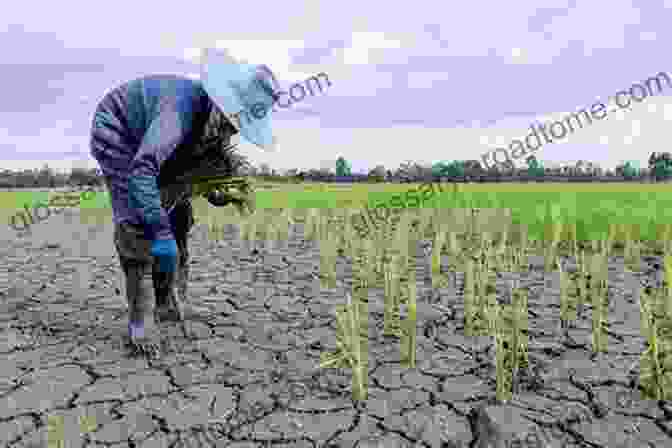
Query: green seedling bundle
point(656, 320)
point(511, 343)
point(352, 326)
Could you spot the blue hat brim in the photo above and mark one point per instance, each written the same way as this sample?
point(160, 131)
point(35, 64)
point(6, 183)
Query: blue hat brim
point(240, 90)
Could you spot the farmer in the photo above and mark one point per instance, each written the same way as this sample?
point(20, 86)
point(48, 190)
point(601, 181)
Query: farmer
point(147, 133)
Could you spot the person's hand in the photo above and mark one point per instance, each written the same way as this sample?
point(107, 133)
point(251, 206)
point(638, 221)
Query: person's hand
point(165, 252)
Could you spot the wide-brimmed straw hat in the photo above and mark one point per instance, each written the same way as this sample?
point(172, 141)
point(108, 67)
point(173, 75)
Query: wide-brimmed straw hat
point(243, 92)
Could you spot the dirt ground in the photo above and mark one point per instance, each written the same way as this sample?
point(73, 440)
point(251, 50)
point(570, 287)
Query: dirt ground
point(247, 375)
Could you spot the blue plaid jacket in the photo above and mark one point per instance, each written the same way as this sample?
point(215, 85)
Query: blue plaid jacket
point(148, 129)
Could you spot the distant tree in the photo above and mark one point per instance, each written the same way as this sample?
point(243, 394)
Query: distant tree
point(83, 176)
point(629, 170)
point(507, 168)
point(660, 165)
point(472, 168)
point(657, 157)
point(534, 167)
point(378, 173)
point(25, 179)
point(414, 172)
point(264, 169)
point(292, 172)
point(440, 169)
point(343, 168)
point(597, 169)
point(249, 170)
point(7, 180)
point(454, 169)
point(581, 166)
point(45, 178)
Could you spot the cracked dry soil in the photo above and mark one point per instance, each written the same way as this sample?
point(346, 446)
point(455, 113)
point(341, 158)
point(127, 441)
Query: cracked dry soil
point(247, 375)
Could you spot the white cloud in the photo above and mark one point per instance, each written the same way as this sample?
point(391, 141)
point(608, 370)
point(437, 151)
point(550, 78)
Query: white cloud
point(580, 24)
point(425, 80)
point(274, 53)
point(362, 46)
point(648, 36)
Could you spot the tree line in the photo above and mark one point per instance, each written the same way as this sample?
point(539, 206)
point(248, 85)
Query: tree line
point(659, 169)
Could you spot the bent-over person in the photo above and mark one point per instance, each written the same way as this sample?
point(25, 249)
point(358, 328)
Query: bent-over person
point(149, 133)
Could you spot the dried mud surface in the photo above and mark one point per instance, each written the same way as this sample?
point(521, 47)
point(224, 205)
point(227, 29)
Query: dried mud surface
point(247, 375)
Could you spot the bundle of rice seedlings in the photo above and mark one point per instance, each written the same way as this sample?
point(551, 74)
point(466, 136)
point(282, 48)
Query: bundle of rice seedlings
point(352, 345)
point(311, 224)
point(425, 221)
point(612, 241)
point(632, 250)
point(504, 381)
point(656, 361)
point(554, 227)
point(567, 302)
point(254, 228)
point(55, 431)
point(385, 249)
point(470, 310)
point(348, 233)
point(363, 256)
point(515, 254)
point(218, 172)
point(456, 256)
point(409, 326)
point(377, 279)
point(655, 375)
point(645, 314)
point(492, 312)
point(667, 288)
point(276, 226)
point(476, 292)
point(392, 323)
point(511, 344)
point(362, 250)
point(328, 254)
point(283, 222)
point(486, 250)
point(519, 329)
point(579, 279)
point(597, 293)
point(323, 223)
point(404, 243)
point(87, 424)
point(437, 248)
point(269, 229)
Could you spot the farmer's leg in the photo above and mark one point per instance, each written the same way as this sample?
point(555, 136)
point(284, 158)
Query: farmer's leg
point(183, 273)
point(172, 287)
point(182, 237)
point(137, 263)
point(162, 286)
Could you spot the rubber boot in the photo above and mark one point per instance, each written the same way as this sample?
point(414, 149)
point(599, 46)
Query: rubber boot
point(171, 289)
point(144, 338)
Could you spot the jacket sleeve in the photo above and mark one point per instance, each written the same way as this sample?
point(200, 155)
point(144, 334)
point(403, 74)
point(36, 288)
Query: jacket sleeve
point(163, 136)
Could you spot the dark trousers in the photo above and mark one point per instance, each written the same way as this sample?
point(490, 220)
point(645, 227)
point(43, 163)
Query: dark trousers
point(146, 287)
point(166, 285)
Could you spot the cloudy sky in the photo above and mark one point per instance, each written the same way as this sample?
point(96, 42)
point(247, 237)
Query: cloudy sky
point(422, 81)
